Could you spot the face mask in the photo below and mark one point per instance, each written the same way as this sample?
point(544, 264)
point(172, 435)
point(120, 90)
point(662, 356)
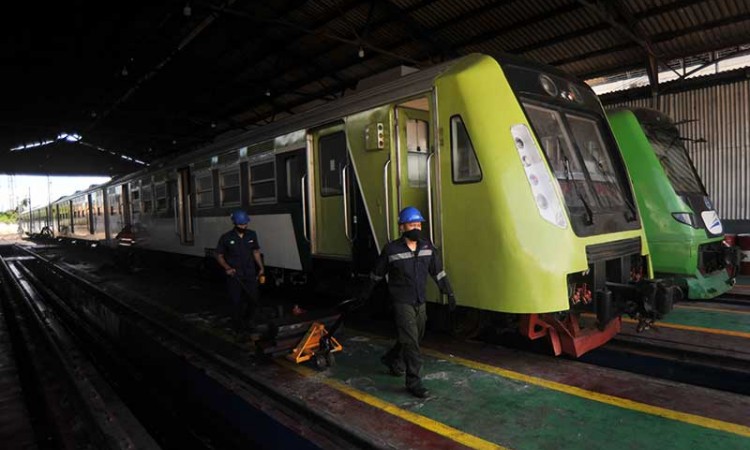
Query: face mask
point(413, 234)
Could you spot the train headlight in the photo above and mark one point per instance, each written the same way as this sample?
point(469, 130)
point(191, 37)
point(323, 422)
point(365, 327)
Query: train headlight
point(548, 85)
point(542, 186)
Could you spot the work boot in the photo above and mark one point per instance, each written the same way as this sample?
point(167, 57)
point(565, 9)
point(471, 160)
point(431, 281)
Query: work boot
point(395, 368)
point(419, 391)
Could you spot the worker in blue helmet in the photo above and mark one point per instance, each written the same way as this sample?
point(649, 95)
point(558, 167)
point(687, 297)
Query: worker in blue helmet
point(238, 253)
point(407, 262)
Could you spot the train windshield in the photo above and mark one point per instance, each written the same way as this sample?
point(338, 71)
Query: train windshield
point(674, 159)
point(580, 160)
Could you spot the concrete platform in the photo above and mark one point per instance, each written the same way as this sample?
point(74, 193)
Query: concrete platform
point(483, 396)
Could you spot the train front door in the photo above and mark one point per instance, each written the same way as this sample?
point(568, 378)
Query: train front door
point(414, 149)
point(183, 207)
point(330, 184)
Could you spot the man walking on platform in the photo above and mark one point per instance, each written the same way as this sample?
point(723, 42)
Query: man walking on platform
point(407, 262)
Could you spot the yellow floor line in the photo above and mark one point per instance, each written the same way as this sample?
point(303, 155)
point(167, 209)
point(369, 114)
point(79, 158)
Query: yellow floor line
point(619, 402)
point(422, 421)
point(703, 308)
point(692, 328)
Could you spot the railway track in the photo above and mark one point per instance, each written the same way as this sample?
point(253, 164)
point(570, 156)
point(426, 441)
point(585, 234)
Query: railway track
point(189, 395)
point(69, 401)
point(716, 369)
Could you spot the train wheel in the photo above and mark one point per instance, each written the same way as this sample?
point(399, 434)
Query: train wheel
point(320, 362)
point(330, 359)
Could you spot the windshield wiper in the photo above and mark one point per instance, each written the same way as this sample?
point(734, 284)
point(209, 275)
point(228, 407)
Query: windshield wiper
point(568, 177)
point(613, 180)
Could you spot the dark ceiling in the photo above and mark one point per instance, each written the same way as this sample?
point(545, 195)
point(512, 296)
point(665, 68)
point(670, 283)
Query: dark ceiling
point(148, 79)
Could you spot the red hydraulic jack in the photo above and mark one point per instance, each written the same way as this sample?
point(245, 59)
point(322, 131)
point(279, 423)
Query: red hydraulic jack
point(566, 335)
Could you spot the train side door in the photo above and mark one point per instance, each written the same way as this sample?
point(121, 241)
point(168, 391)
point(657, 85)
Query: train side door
point(330, 215)
point(414, 149)
point(125, 212)
point(183, 207)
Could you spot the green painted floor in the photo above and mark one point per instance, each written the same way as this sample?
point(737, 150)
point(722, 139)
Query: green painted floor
point(720, 320)
point(519, 415)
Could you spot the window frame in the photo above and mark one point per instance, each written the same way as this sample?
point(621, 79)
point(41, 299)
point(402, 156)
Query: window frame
point(157, 186)
point(261, 160)
point(453, 157)
point(230, 170)
point(207, 173)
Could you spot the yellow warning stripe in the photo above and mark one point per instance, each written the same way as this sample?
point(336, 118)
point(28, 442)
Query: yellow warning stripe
point(619, 402)
point(693, 328)
point(422, 421)
point(720, 310)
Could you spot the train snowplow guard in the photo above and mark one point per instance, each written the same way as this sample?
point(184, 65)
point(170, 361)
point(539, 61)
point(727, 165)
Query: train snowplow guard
point(645, 301)
point(566, 335)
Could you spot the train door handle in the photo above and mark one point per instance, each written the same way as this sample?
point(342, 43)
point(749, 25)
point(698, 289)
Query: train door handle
point(429, 197)
point(303, 188)
point(176, 220)
point(386, 206)
point(345, 191)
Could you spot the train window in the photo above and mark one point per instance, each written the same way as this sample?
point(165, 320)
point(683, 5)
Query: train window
point(204, 190)
point(229, 181)
point(597, 160)
point(263, 182)
point(135, 199)
point(463, 158)
point(147, 198)
point(293, 171)
point(332, 161)
point(160, 192)
point(417, 150)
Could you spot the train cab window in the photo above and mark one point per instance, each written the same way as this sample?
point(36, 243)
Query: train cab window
point(229, 182)
point(332, 162)
point(204, 190)
point(147, 199)
point(263, 182)
point(160, 192)
point(463, 157)
point(417, 152)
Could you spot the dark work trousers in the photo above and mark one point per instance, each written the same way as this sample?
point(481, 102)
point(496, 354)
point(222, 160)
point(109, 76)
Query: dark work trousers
point(410, 324)
point(244, 300)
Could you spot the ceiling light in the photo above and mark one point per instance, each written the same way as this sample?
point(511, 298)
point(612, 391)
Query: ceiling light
point(213, 124)
point(124, 71)
point(187, 10)
point(268, 92)
point(361, 52)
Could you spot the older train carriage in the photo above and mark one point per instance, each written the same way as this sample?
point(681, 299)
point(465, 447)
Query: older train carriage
point(514, 164)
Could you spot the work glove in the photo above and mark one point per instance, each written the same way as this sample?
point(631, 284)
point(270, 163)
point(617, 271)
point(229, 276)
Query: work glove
point(451, 302)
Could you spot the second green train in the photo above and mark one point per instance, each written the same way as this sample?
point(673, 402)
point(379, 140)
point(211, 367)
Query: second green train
point(683, 230)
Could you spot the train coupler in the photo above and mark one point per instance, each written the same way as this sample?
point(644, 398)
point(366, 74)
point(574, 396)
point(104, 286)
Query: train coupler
point(646, 300)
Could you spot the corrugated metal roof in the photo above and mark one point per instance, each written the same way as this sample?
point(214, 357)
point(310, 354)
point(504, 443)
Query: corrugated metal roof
point(191, 79)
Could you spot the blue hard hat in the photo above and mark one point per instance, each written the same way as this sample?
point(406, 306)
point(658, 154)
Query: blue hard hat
point(410, 214)
point(240, 217)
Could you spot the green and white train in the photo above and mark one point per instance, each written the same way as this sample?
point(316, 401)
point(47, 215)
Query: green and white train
point(513, 163)
point(684, 231)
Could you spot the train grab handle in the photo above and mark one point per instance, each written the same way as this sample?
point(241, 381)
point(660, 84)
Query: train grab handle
point(386, 206)
point(303, 188)
point(176, 220)
point(345, 191)
point(429, 196)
